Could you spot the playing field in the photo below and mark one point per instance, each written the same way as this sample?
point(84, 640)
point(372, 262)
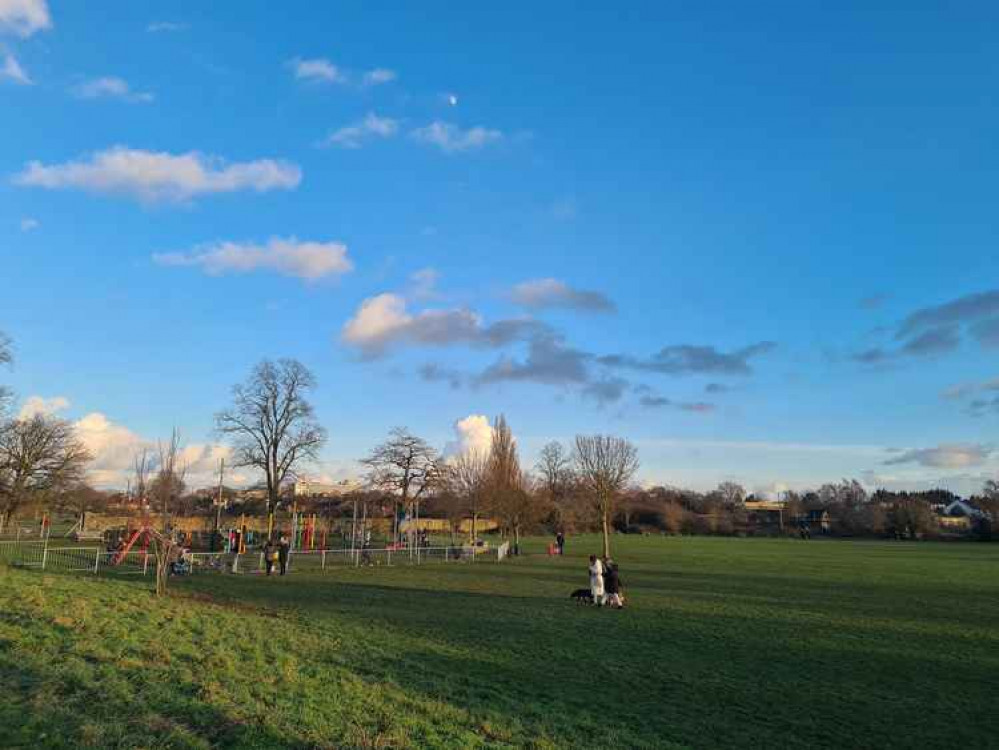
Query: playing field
point(725, 643)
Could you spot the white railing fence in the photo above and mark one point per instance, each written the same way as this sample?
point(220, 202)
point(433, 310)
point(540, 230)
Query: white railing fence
point(97, 560)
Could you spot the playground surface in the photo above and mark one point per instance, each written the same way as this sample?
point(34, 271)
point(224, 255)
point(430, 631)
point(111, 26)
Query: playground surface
point(724, 643)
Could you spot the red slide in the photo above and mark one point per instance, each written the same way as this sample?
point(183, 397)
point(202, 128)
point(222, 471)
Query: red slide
point(120, 554)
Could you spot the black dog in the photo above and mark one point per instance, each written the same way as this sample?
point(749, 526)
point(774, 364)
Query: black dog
point(582, 596)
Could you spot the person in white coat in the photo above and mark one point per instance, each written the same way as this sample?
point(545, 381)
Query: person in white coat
point(597, 580)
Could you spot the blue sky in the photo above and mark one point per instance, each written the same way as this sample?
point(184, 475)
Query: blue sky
point(758, 240)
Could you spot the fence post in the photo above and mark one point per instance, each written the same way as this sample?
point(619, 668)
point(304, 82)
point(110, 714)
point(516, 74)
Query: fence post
point(97, 559)
point(45, 552)
point(145, 562)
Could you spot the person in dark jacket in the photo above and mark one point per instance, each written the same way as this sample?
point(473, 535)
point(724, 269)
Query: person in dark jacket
point(284, 548)
point(270, 552)
point(560, 542)
point(612, 585)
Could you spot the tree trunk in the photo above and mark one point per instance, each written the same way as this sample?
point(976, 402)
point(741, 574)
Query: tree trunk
point(162, 571)
point(606, 526)
point(161, 552)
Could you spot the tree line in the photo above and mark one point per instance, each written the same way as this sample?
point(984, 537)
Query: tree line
point(586, 485)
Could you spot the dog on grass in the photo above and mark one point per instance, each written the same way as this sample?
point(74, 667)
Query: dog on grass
point(582, 596)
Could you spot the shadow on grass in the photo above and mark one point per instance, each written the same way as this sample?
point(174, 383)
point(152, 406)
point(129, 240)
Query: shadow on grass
point(43, 706)
point(699, 678)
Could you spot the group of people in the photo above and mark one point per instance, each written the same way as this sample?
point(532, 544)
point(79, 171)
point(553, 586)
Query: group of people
point(605, 582)
point(277, 553)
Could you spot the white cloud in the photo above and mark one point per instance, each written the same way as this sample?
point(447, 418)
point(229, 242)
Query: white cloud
point(474, 434)
point(111, 87)
point(771, 490)
point(451, 139)
point(354, 135)
point(114, 448)
point(29, 225)
point(24, 17)
point(158, 26)
point(946, 456)
point(152, 176)
point(12, 71)
point(546, 293)
point(319, 70)
point(288, 257)
point(383, 321)
point(378, 76)
point(39, 405)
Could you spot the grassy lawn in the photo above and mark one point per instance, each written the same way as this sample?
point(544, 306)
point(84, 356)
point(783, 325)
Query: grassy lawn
point(725, 643)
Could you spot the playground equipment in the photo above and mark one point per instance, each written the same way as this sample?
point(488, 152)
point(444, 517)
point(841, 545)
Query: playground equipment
point(120, 554)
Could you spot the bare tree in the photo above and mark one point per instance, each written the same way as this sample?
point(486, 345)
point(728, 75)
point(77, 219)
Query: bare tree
point(271, 424)
point(80, 499)
point(141, 469)
point(165, 491)
point(554, 470)
point(731, 494)
point(468, 479)
point(990, 490)
point(405, 466)
point(40, 457)
point(605, 466)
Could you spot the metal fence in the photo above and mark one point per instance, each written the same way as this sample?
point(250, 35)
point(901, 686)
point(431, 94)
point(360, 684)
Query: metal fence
point(97, 560)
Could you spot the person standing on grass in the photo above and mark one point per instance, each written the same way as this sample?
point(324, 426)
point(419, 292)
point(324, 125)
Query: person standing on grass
point(560, 542)
point(613, 585)
point(284, 548)
point(597, 580)
point(270, 552)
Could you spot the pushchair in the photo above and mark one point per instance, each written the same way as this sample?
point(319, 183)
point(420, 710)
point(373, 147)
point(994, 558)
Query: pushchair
point(181, 566)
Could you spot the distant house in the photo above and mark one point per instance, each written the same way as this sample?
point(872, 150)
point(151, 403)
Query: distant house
point(964, 509)
point(954, 523)
point(306, 488)
point(765, 516)
point(767, 506)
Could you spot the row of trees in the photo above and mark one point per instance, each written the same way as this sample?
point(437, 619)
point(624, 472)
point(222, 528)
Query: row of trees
point(848, 509)
point(271, 427)
point(491, 481)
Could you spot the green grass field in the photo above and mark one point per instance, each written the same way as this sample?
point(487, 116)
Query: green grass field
point(725, 643)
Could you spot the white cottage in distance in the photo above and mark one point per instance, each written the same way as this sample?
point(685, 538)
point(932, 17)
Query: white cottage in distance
point(307, 488)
